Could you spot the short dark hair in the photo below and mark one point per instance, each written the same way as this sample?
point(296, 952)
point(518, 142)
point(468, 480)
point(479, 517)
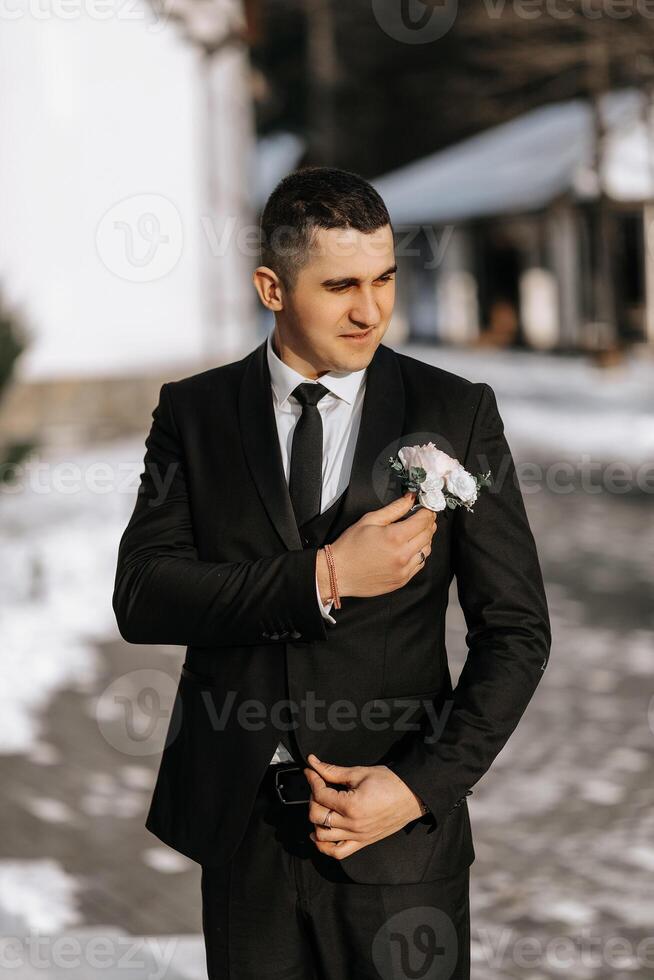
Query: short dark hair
point(311, 198)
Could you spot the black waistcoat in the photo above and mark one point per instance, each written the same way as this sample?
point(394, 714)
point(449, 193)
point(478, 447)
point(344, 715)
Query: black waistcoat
point(315, 532)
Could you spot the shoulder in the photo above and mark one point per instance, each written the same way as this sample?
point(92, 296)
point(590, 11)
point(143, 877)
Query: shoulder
point(468, 406)
point(419, 374)
point(224, 374)
point(195, 390)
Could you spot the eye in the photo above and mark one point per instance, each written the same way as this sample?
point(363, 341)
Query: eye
point(340, 289)
point(388, 278)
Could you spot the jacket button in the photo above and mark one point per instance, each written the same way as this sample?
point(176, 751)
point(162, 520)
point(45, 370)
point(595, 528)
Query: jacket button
point(295, 635)
point(267, 635)
point(274, 636)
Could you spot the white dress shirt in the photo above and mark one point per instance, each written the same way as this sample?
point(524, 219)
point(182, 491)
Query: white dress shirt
point(340, 412)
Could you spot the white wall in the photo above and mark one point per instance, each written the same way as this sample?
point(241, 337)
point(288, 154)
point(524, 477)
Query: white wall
point(98, 110)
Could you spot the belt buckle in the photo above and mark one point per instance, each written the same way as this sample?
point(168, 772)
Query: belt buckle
point(279, 788)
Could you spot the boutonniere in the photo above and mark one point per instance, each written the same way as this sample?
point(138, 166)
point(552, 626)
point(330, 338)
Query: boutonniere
point(439, 480)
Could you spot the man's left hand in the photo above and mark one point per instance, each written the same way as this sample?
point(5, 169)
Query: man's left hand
point(375, 804)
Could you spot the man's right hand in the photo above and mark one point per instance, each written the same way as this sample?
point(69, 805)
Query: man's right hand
point(380, 552)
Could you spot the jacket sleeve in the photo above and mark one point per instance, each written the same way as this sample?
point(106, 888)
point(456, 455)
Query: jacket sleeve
point(164, 594)
point(501, 592)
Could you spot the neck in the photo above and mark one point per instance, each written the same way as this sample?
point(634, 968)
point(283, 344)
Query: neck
point(289, 357)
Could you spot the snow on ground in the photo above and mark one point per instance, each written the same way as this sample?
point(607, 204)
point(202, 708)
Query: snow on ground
point(43, 935)
point(58, 538)
point(562, 407)
point(36, 895)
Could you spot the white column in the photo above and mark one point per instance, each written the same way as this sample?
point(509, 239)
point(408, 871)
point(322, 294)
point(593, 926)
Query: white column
point(229, 239)
point(457, 304)
point(539, 308)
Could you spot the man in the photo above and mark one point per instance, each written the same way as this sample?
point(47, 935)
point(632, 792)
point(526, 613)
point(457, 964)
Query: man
point(318, 761)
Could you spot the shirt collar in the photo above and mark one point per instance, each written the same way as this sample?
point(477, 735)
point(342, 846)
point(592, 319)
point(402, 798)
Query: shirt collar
point(284, 379)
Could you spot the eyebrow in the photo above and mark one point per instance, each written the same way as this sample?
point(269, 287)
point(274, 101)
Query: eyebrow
point(353, 281)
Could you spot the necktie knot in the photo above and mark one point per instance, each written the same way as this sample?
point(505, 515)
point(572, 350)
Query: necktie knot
point(309, 393)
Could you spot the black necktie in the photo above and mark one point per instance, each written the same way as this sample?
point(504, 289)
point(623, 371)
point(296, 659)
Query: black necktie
point(305, 473)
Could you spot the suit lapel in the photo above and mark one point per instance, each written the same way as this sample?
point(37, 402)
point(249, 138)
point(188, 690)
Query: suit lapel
point(261, 446)
point(380, 430)
point(382, 419)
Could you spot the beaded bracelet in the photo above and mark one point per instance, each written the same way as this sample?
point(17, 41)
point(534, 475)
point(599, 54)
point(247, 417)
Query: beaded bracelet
point(333, 581)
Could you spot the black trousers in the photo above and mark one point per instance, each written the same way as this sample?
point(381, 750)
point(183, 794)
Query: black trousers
point(281, 910)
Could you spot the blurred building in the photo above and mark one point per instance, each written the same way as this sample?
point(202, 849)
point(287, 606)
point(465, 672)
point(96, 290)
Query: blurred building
point(533, 233)
point(130, 183)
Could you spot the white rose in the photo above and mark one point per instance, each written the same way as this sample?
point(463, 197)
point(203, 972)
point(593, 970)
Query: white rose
point(462, 484)
point(409, 456)
point(434, 461)
point(432, 499)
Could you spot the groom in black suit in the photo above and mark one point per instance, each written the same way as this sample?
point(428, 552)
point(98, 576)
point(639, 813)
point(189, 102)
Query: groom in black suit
point(318, 760)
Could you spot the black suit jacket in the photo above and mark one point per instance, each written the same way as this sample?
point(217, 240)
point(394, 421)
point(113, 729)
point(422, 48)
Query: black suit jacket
point(212, 559)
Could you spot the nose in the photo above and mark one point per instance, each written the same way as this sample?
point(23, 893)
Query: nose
point(365, 312)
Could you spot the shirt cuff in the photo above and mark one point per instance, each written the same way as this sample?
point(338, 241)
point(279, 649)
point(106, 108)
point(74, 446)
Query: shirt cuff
point(325, 607)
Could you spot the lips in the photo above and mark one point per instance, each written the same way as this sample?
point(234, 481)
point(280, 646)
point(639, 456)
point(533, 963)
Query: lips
point(355, 336)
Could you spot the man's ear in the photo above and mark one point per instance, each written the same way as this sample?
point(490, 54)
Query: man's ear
point(268, 286)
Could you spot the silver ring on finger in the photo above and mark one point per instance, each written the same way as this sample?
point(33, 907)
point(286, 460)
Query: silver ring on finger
point(421, 556)
point(327, 822)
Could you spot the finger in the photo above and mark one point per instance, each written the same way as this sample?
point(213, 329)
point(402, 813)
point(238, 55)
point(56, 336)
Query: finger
point(337, 800)
point(428, 524)
point(332, 773)
point(393, 511)
point(422, 538)
point(420, 564)
point(338, 849)
point(322, 834)
point(318, 813)
point(327, 796)
point(422, 520)
point(417, 562)
point(314, 779)
point(421, 541)
point(344, 776)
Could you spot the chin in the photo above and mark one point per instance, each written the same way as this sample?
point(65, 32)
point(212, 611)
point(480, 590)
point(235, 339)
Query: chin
point(355, 362)
point(353, 359)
